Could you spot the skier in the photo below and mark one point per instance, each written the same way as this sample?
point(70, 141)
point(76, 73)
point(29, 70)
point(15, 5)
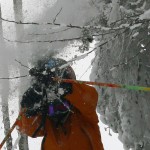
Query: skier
point(64, 113)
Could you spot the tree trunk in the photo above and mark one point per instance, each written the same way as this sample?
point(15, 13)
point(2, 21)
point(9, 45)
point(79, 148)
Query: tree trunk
point(23, 143)
point(5, 108)
point(5, 87)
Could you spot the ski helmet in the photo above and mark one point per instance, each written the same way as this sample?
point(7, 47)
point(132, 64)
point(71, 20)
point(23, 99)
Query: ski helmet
point(60, 67)
point(57, 67)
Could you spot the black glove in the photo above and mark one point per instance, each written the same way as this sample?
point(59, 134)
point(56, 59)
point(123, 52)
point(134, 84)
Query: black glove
point(34, 72)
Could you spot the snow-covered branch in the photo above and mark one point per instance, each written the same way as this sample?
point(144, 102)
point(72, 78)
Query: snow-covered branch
point(44, 23)
point(44, 41)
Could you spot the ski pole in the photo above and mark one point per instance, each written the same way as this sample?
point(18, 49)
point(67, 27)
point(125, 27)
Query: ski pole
point(103, 84)
point(9, 132)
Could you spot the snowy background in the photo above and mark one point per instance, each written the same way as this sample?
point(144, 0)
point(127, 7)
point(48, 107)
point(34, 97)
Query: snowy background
point(121, 55)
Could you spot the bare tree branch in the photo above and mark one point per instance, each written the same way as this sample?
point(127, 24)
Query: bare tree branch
point(50, 32)
point(102, 34)
point(60, 40)
point(46, 23)
point(21, 64)
point(98, 46)
point(87, 69)
point(123, 26)
point(15, 77)
point(104, 43)
point(127, 17)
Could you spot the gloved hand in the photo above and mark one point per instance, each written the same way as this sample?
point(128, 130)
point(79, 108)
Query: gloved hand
point(34, 72)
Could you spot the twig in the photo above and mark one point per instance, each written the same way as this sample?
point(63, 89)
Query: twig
point(17, 77)
point(126, 17)
point(104, 33)
point(60, 40)
point(49, 33)
point(57, 15)
point(46, 23)
point(87, 69)
point(22, 64)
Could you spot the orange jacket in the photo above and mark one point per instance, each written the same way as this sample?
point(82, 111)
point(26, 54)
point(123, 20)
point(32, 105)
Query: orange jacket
point(82, 131)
